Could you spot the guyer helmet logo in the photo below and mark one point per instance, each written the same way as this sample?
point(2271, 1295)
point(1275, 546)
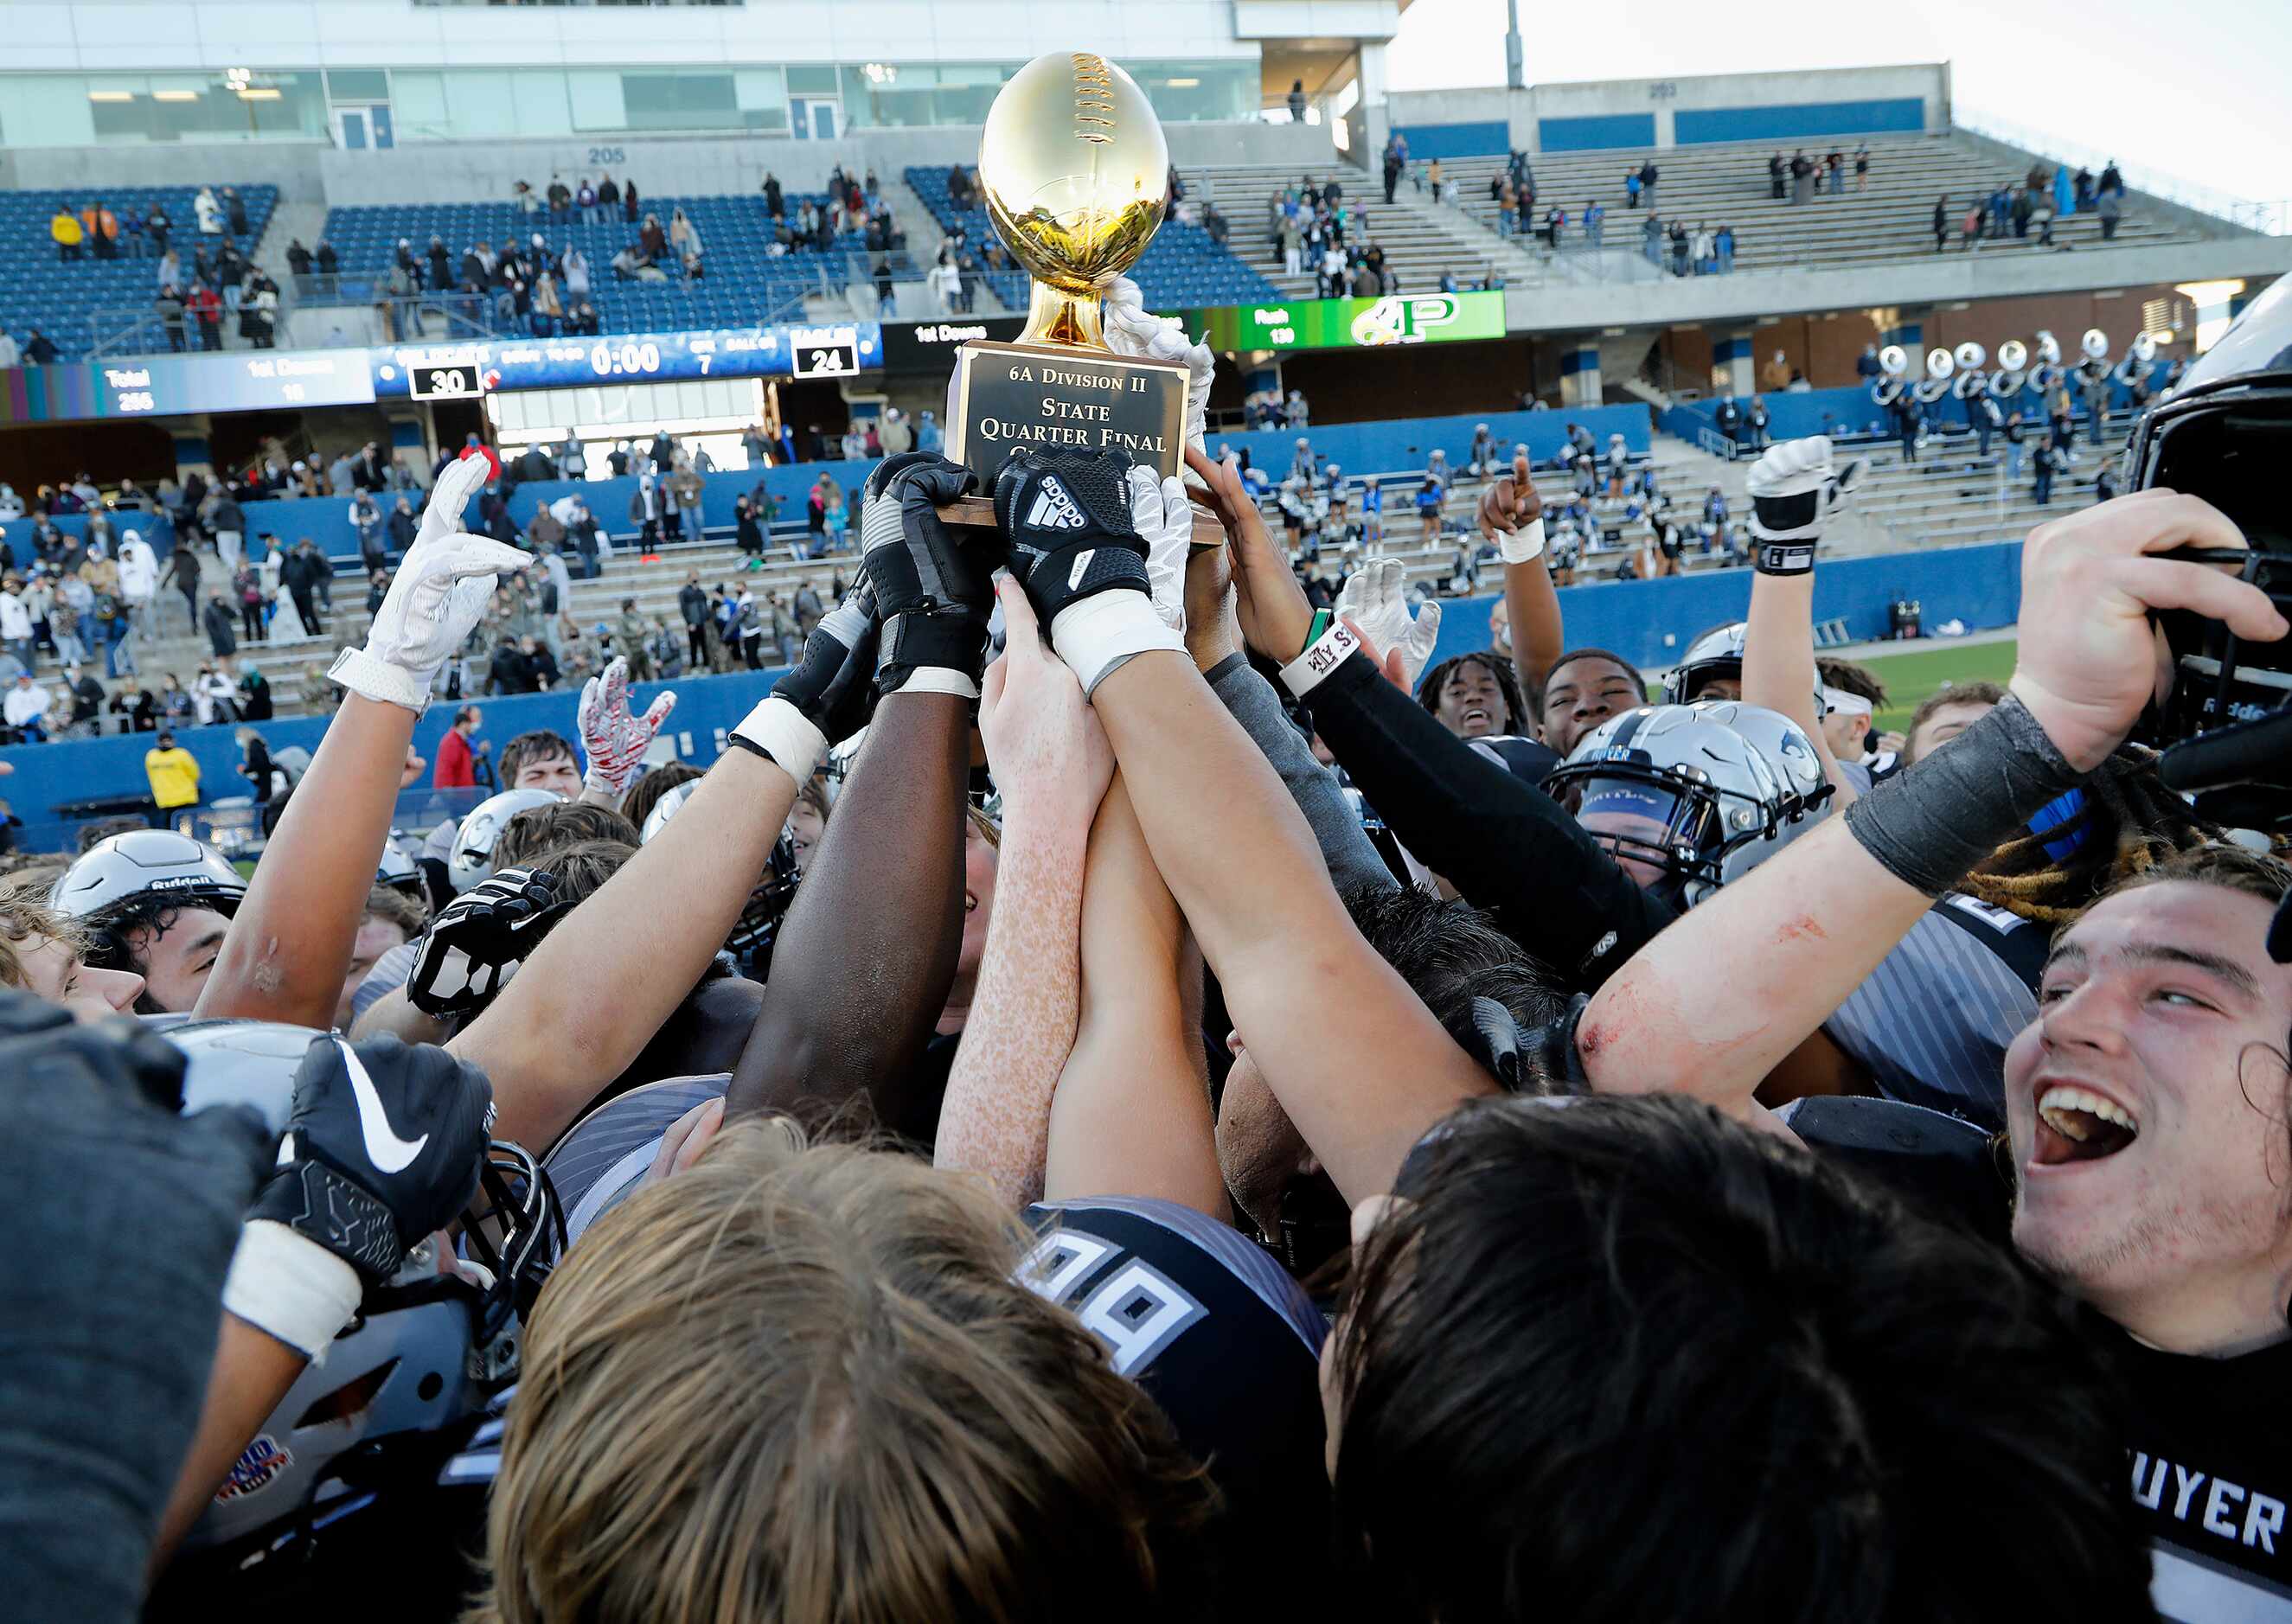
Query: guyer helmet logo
point(1404, 318)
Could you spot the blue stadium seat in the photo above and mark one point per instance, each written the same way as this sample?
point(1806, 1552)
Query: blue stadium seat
point(1184, 266)
point(37, 290)
point(746, 283)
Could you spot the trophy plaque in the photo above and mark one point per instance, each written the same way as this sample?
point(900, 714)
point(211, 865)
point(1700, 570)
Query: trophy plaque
point(1074, 173)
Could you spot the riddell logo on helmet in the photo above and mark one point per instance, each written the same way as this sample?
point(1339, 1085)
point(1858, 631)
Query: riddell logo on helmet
point(178, 882)
point(253, 1471)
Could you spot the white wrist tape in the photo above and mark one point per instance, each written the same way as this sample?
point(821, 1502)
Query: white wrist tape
point(777, 729)
point(1522, 546)
point(938, 680)
point(1322, 655)
point(289, 1287)
point(380, 680)
point(1100, 631)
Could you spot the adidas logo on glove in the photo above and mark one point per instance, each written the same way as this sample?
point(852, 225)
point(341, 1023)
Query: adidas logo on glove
point(1054, 509)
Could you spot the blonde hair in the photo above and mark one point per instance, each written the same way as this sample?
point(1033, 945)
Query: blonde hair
point(799, 1384)
point(25, 917)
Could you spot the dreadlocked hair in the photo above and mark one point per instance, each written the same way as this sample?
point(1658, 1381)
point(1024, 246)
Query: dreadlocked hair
point(2130, 823)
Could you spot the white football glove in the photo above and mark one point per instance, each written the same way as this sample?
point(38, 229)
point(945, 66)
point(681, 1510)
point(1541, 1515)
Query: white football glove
point(614, 740)
point(1376, 599)
point(1164, 521)
point(1130, 329)
point(440, 592)
point(1793, 488)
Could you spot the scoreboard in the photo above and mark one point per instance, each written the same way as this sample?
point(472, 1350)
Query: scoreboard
point(447, 371)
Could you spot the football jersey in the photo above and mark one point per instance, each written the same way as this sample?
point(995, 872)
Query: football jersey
point(1228, 1346)
point(1932, 1022)
point(2209, 1455)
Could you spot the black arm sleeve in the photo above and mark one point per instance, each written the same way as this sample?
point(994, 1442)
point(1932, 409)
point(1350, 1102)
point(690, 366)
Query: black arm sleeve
point(1352, 861)
point(1504, 845)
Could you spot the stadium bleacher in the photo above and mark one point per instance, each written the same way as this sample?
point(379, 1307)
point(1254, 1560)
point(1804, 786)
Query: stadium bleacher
point(1184, 266)
point(1727, 184)
point(59, 296)
point(746, 282)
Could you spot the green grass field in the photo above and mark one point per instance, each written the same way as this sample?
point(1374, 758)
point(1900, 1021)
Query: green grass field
point(1911, 678)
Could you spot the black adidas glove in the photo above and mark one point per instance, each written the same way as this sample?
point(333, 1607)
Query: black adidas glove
point(933, 592)
point(828, 682)
point(1067, 515)
point(478, 939)
point(384, 1146)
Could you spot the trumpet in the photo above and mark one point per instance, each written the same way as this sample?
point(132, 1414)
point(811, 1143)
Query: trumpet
point(1969, 382)
point(1939, 364)
point(2013, 359)
point(1894, 363)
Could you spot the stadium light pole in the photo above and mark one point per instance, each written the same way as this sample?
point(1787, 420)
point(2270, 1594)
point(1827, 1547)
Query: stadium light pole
point(1513, 78)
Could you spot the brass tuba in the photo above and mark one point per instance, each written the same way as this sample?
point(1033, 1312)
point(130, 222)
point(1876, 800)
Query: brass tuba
point(1969, 382)
point(2013, 360)
point(1939, 364)
point(1893, 364)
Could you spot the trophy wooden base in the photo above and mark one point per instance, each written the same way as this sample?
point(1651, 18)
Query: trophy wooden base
point(978, 513)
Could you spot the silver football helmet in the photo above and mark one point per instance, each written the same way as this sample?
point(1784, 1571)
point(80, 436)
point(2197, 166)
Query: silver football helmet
point(473, 859)
point(1704, 791)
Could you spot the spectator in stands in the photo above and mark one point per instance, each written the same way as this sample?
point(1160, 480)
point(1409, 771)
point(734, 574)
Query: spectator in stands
point(2110, 206)
point(1681, 246)
point(1632, 189)
point(136, 710)
point(2052, 460)
point(38, 351)
point(205, 307)
point(25, 710)
point(456, 767)
point(686, 490)
point(217, 621)
point(182, 572)
point(1775, 176)
point(1296, 101)
point(1648, 174)
point(66, 232)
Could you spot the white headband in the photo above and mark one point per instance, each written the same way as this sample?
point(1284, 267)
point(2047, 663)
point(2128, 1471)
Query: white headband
point(1838, 701)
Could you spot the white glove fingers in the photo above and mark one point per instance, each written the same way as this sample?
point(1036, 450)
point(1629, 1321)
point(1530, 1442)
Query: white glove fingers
point(657, 713)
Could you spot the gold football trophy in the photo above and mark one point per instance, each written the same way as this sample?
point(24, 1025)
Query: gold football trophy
point(1075, 172)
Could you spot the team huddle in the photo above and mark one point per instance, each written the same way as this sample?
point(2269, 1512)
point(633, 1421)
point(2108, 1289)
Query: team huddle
point(1121, 1093)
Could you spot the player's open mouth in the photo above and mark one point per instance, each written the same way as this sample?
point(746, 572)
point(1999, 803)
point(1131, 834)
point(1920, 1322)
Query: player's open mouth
point(970, 901)
point(2077, 1124)
point(1476, 716)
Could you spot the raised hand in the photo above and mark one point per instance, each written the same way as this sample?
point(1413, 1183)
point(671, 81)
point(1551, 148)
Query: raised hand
point(1794, 488)
point(479, 939)
point(384, 1146)
point(1130, 329)
point(614, 740)
point(440, 592)
point(2089, 655)
point(932, 591)
point(1511, 513)
point(1274, 610)
point(1046, 745)
point(1071, 519)
point(1164, 521)
point(1375, 602)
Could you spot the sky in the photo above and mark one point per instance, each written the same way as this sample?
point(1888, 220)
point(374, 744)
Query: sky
point(2196, 89)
